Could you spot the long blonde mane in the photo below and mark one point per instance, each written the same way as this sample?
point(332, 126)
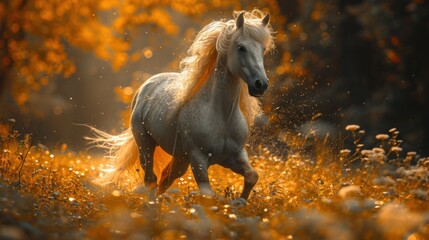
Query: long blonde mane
point(213, 40)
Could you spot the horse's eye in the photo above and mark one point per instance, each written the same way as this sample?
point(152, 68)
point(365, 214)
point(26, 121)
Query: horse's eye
point(241, 48)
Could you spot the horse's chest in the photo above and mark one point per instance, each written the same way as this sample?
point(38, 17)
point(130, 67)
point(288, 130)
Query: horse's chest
point(230, 139)
point(224, 141)
point(216, 136)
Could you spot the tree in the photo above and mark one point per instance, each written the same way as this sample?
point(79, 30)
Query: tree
point(36, 34)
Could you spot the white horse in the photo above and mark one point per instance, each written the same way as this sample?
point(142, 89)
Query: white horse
point(200, 116)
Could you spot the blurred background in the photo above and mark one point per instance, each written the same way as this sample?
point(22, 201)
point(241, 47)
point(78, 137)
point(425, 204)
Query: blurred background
point(337, 62)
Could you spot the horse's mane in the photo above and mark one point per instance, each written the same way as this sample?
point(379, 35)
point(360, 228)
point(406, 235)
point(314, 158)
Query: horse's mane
point(213, 40)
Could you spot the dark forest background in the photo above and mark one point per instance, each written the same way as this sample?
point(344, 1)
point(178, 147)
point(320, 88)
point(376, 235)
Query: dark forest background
point(336, 63)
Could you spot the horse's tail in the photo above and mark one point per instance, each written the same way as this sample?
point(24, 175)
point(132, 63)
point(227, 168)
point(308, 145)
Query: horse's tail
point(122, 149)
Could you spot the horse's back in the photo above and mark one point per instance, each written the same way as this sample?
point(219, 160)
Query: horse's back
point(154, 86)
point(155, 108)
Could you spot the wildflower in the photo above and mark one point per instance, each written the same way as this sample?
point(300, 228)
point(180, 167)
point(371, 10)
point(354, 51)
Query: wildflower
point(396, 149)
point(366, 152)
point(377, 158)
point(378, 150)
point(411, 154)
point(424, 162)
point(345, 152)
point(392, 130)
point(377, 155)
point(352, 127)
point(382, 137)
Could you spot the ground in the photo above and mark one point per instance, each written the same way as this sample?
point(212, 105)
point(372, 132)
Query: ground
point(374, 193)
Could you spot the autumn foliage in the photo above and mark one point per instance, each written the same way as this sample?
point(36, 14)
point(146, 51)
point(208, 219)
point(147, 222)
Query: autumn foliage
point(36, 35)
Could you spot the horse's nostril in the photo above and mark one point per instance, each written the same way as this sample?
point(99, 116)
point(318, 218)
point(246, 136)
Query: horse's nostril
point(258, 84)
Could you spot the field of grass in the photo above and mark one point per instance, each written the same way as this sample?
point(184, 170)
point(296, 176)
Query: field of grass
point(377, 192)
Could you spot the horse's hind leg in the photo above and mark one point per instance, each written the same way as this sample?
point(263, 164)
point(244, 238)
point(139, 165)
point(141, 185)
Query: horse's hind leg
point(146, 146)
point(175, 169)
point(240, 164)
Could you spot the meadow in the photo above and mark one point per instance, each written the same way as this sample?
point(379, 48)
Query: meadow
point(365, 192)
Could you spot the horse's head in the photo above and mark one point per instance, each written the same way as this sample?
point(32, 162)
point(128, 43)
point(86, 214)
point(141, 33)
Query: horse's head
point(246, 54)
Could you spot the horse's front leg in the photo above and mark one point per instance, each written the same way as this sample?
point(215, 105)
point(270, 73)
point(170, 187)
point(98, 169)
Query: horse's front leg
point(240, 164)
point(199, 166)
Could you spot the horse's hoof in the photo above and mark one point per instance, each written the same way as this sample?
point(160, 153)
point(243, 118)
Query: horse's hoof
point(238, 203)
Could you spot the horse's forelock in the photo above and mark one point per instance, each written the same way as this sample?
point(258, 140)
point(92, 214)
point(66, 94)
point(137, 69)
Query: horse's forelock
point(225, 37)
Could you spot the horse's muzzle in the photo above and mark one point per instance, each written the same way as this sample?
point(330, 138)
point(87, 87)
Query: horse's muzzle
point(258, 88)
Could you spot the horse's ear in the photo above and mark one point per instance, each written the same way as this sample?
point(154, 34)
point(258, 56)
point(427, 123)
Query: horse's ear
point(240, 20)
point(266, 19)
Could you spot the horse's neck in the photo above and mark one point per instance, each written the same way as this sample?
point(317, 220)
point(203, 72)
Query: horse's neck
point(223, 89)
